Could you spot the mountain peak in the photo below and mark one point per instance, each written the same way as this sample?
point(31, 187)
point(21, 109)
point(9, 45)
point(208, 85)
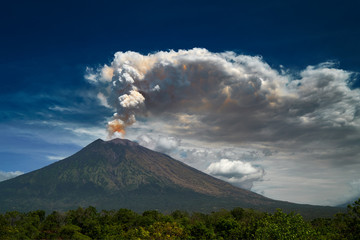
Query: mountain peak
point(124, 142)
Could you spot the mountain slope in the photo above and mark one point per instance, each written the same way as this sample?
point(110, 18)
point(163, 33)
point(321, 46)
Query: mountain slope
point(122, 174)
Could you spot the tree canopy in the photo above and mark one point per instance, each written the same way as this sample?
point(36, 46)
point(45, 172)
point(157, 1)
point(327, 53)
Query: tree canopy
point(239, 223)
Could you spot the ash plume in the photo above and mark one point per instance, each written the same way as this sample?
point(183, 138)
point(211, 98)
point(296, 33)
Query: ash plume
point(173, 82)
point(219, 95)
point(300, 119)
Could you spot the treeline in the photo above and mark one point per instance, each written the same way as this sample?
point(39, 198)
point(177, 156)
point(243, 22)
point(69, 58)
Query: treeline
point(88, 223)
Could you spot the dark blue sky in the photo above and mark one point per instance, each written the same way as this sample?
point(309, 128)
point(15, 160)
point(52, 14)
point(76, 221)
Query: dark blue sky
point(81, 32)
point(45, 47)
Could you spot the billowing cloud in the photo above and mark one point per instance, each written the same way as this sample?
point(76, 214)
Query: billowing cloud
point(225, 167)
point(219, 95)
point(133, 99)
point(236, 171)
point(308, 118)
point(8, 175)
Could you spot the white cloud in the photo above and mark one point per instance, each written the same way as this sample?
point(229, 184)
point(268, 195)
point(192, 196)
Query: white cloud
point(55, 158)
point(90, 75)
point(225, 167)
point(107, 73)
point(236, 171)
point(131, 100)
point(8, 175)
point(164, 144)
point(103, 100)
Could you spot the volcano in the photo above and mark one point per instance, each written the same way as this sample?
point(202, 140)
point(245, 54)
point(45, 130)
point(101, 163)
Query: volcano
point(122, 174)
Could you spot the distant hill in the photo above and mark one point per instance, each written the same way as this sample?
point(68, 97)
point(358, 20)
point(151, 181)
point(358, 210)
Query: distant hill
point(122, 174)
point(349, 202)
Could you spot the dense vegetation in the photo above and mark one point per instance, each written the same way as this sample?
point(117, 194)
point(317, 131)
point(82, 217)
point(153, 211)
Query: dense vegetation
point(238, 223)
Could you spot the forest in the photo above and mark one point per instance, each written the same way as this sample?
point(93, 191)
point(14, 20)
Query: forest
point(238, 223)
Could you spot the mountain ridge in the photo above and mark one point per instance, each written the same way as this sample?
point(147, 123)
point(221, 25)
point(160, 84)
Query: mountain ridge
point(123, 174)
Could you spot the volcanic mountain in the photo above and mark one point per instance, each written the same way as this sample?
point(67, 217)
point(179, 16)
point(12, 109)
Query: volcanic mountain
point(122, 174)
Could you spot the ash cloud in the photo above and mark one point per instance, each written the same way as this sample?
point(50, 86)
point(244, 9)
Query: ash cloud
point(228, 97)
point(310, 116)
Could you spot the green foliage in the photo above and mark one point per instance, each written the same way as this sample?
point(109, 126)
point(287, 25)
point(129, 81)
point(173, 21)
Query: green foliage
point(228, 228)
point(50, 227)
point(199, 230)
point(352, 220)
point(348, 224)
point(87, 219)
point(165, 230)
point(88, 223)
point(150, 217)
point(284, 226)
point(181, 217)
point(126, 217)
point(72, 232)
point(238, 213)
point(327, 228)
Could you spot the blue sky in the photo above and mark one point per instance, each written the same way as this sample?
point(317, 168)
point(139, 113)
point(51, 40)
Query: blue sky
point(49, 110)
